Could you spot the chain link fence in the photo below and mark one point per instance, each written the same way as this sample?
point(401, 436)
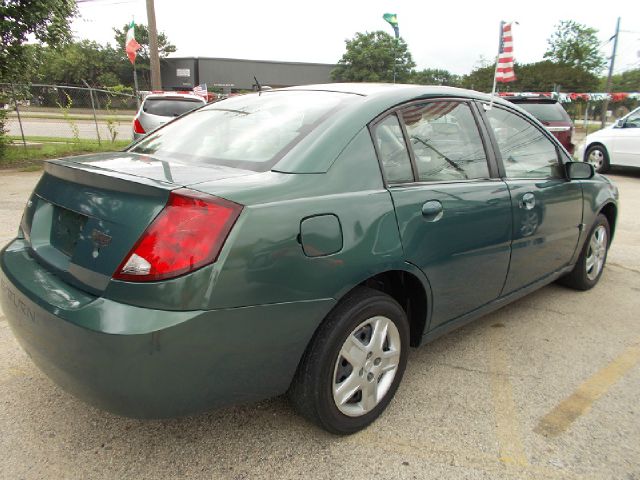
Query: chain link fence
point(38, 111)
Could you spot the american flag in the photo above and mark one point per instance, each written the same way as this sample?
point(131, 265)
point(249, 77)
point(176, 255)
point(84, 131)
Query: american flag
point(430, 111)
point(504, 70)
point(201, 90)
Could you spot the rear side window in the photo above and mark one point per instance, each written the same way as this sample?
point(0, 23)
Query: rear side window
point(392, 150)
point(168, 107)
point(526, 152)
point(546, 112)
point(445, 141)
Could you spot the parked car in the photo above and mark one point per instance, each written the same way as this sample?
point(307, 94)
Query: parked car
point(617, 144)
point(159, 108)
point(298, 240)
point(551, 114)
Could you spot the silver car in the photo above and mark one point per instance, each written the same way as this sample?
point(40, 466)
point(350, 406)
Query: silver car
point(159, 108)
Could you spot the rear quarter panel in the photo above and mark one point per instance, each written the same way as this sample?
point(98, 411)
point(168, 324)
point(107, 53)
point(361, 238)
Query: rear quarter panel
point(264, 260)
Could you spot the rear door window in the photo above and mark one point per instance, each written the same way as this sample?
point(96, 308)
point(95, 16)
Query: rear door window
point(445, 141)
point(169, 107)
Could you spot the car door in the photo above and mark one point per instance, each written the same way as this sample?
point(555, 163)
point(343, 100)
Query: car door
point(626, 142)
point(454, 218)
point(546, 206)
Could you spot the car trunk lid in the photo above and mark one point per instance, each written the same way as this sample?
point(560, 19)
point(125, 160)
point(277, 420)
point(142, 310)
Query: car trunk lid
point(86, 213)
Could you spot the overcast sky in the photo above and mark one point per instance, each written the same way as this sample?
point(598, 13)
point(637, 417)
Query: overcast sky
point(452, 35)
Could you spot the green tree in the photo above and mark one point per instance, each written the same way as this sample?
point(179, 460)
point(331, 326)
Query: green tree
point(370, 57)
point(544, 76)
point(45, 20)
point(577, 45)
point(435, 76)
point(78, 61)
point(628, 81)
point(548, 76)
point(480, 78)
point(142, 59)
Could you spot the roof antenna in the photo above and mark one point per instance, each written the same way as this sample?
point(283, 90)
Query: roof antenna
point(258, 84)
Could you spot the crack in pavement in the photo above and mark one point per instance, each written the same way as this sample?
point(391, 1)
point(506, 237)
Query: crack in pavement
point(624, 267)
point(485, 372)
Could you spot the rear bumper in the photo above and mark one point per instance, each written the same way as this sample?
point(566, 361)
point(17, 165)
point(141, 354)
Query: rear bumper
point(151, 363)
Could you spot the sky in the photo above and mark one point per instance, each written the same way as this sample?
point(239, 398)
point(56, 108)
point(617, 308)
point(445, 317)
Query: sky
point(452, 35)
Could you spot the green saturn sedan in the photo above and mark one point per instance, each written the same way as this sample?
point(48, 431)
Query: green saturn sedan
point(298, 240)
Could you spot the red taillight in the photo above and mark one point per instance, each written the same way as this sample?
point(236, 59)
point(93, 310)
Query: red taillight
point(137, 126)
point(186, 235)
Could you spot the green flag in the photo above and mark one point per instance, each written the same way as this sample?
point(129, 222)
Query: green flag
point(392, 19)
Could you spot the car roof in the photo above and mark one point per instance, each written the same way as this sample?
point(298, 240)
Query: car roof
point(402, 91)
point(372, 100)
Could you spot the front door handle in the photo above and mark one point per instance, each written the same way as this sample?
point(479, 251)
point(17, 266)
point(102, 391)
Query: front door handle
point(432, 210)
point(528, 201)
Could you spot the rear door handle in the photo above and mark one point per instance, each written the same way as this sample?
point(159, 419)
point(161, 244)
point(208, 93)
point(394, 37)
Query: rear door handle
point(528, 201)
point(432, 210)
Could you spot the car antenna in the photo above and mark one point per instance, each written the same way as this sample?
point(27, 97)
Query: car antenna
point(258, 84)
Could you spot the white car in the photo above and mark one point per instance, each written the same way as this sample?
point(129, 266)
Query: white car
point(617, 144)
point(160, 108)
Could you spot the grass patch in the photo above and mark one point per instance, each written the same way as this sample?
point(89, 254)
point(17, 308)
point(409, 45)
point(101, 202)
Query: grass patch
point(16, 156)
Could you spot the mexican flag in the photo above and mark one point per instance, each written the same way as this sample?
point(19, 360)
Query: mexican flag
point(130, 44)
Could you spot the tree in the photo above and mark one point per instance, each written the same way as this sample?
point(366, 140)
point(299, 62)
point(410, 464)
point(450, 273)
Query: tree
point(628, 81)
point(480, 78)
point(370, 57)
point(142, 60)
point(544, 76)
point(80, 61)
point(577, 45)
point(45, 20)
point(435, 76)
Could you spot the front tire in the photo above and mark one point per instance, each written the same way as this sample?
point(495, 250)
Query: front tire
point(598, 156)
point(590, 264)
point(354, 364)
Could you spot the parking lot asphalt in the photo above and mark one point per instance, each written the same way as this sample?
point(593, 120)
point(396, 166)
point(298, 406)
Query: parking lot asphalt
point(547, 387)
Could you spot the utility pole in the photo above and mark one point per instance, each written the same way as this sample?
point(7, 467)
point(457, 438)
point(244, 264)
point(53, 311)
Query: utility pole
point(605, 106)
point(156, 84)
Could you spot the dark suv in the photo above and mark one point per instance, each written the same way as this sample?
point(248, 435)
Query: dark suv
point(551, 114)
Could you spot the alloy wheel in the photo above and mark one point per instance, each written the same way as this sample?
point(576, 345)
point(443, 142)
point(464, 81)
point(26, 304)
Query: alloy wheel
point(366, 366)
point(596, 253)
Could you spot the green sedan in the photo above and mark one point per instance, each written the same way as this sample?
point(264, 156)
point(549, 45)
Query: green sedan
point(297, 240)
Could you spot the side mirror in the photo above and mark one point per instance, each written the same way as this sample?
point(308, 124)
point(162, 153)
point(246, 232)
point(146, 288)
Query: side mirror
point(619, 123)
point(579, 170)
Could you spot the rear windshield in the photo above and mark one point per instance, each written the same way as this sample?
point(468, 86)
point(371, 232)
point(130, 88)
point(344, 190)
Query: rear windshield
point(251, 131)
point(169, 107)
point(546, 112)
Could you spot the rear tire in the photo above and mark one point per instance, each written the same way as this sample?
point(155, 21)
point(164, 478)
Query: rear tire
point(354, 364)
point(590, 264)
point(598, 156)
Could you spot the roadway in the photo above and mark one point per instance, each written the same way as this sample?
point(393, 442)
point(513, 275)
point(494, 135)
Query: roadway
point(58, 127)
